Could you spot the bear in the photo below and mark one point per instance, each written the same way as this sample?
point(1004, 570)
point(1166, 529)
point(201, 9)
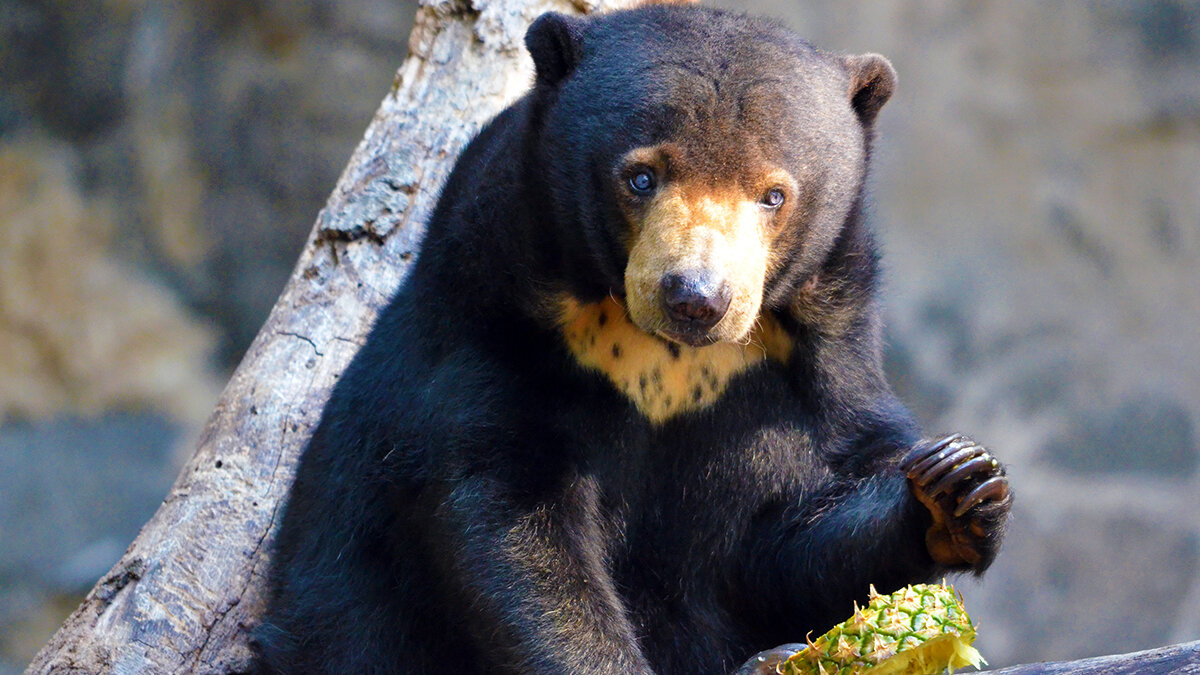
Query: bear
point(627, 413)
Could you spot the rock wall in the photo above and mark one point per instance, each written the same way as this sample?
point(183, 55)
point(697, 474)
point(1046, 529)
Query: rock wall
point(160, 166)
point(1036, 186)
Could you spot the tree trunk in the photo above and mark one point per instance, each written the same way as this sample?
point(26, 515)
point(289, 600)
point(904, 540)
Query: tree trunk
point(187, 590)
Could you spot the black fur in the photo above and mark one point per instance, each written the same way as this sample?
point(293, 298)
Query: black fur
point(475, 501)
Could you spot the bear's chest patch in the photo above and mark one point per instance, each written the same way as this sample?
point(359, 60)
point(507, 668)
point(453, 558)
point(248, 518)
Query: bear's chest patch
point(663, 379)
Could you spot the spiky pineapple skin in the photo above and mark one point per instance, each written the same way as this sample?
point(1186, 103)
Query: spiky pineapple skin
point(887, 626)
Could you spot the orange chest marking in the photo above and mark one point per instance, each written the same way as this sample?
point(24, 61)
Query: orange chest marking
point(661, 378)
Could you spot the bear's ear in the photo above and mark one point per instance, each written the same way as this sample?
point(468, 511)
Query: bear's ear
point(872, 81)
point(556, 43)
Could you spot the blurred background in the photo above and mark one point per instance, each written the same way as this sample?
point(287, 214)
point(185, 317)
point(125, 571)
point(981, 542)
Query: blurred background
point(1036, 186)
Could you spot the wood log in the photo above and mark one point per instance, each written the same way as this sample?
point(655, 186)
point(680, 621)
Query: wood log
point(1181, 659)
point(185, 593)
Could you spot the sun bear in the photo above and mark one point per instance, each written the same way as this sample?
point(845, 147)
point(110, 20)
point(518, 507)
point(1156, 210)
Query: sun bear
point(628, 412)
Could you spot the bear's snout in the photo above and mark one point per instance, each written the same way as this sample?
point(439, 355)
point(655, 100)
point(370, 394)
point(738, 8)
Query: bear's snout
point(694, 302)
point(697, 265)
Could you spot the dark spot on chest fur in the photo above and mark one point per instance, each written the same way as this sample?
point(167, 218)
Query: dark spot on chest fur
point(662, 378)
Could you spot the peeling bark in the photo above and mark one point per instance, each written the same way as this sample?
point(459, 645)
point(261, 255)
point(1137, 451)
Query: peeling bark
point(189, 588)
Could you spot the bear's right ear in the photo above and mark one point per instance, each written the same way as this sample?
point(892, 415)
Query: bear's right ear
point(556, 43)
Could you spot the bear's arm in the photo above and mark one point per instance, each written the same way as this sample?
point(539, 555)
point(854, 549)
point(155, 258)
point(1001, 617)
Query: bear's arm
point(852, 524)
point(835, 543)
point(854, 521)
point(534, 578)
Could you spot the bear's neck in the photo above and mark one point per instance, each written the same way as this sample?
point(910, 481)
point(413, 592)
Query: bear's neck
point(661, 378)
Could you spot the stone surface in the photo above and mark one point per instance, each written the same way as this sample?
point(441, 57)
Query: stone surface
point(160, 167)
point(1148, 435)
point(1112, 586)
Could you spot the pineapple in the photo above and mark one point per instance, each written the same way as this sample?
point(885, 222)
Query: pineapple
point(918, 630)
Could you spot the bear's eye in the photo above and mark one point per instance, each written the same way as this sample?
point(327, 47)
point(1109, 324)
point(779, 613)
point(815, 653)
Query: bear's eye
point(642, 182)
point(773, 199)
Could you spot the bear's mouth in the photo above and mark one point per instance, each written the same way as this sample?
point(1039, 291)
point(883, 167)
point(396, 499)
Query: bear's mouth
point(689, 335)
point(696, 319)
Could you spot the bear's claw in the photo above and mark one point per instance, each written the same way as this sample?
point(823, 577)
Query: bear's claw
point(977, 464)
point(924, 457)
point(966, 492)
point(995, 488)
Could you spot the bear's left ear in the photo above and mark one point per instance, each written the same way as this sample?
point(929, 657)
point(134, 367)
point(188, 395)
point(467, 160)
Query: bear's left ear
point(872, 81)
point(556, 43)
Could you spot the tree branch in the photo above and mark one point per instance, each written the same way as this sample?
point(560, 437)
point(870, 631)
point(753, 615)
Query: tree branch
point(1181, 659)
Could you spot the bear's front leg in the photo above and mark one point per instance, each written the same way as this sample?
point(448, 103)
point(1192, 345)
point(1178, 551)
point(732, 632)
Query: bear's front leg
point(541, 600)
point(967, 494)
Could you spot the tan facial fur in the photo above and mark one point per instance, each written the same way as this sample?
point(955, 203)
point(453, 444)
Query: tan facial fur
point(663, 379)
point(692, 230)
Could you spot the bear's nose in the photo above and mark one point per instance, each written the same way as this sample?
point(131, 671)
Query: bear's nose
point(695, 301)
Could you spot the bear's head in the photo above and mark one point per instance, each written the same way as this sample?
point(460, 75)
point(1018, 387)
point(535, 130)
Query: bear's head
point(702, 161)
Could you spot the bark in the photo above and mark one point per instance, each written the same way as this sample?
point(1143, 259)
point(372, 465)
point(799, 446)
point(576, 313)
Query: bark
point(187, 590)
point(1182, 659)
